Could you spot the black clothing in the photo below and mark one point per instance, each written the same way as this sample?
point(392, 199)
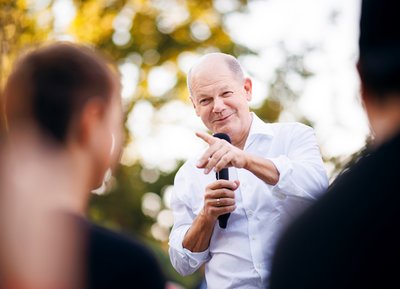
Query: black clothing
point(351, 237)
point(116, 261)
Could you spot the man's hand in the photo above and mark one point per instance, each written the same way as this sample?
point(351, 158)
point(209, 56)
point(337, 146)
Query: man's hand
point(219, 199)
point(220, 154)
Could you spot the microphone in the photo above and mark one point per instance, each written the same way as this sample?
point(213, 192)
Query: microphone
point(223, 175)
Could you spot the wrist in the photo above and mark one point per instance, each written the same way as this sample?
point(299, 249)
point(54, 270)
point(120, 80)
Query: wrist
point(207, 219)
point(246, 161)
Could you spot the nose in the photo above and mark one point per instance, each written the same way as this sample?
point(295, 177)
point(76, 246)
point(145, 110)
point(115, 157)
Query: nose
point(219, 105)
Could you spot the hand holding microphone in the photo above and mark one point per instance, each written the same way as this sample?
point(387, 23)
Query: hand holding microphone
point(219, 156)
point(223, 174)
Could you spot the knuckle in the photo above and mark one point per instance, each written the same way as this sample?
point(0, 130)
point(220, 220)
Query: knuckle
point(225, 158)
point(229, 193)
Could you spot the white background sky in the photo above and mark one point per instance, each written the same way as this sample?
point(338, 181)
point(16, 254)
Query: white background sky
point(331, 97)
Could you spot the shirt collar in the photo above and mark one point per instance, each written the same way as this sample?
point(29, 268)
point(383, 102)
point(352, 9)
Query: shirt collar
point(258, 127)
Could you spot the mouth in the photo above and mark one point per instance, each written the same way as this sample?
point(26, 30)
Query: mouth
point(222, 119)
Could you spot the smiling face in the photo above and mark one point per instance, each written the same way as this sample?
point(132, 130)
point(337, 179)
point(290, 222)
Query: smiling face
point(221, 97)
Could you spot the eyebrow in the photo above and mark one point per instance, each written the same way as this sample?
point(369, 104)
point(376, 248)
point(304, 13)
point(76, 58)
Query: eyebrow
point(203, 95)
point(225, 88)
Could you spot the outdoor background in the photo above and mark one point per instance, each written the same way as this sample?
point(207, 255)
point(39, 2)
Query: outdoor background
point(301, 55)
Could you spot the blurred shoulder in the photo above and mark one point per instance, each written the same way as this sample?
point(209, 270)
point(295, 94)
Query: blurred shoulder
point(115, 256)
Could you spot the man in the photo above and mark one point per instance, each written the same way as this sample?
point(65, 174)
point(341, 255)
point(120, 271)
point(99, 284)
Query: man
point(350, 238)
point(65, 131)
point(275, 170)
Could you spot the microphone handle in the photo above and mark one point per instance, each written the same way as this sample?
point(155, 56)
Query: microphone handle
point(223, 219)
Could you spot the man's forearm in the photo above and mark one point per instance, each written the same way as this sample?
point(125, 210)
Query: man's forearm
point(262, 168)
point(197, 238)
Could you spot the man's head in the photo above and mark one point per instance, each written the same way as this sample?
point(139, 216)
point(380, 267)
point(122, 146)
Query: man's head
point(220, 95)
point(72, 96)
point(379, 62)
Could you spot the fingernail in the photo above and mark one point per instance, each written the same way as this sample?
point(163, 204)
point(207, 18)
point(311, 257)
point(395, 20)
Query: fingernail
point(206, 171)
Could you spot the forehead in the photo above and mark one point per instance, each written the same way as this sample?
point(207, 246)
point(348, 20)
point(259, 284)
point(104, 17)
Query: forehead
point(207, 80)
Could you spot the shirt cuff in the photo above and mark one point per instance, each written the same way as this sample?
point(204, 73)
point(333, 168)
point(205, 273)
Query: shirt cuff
point(195, 258)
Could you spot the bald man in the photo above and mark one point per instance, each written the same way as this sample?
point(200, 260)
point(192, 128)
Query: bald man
point(275, 171)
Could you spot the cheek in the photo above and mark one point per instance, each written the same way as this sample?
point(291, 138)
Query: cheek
point(117, 151)
point(241, 105)
point(116, 145)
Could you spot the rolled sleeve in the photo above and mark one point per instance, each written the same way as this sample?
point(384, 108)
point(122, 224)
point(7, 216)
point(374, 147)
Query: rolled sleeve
point(301, 171)
point(184, 261)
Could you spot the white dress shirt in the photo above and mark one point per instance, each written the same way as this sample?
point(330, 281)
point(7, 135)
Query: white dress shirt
point(240, 255)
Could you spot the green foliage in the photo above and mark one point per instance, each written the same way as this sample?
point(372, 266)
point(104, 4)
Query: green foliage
point(18, 28)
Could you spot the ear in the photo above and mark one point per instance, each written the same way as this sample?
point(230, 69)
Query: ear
point(194, 105)
point(248, 88)
point(89, 122)
point(364, 92)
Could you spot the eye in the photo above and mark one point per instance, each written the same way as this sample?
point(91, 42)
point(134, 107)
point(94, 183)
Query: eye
point(227, 93)
point(205, 101)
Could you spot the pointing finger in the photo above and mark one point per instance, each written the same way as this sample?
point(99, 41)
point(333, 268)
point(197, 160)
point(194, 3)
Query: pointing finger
point(206, 137)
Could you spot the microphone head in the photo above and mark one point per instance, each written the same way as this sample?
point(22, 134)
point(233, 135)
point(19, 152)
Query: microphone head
point(222, 136)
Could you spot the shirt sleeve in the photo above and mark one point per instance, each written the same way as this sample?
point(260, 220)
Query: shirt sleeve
point(301, 170)
point(184, 261)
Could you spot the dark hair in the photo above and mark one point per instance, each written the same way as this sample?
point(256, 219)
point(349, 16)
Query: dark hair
point(51, 85)
point(379, 61)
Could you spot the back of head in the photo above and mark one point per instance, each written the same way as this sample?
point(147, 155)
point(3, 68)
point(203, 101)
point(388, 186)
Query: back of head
point(379, 43)
point(50, 85)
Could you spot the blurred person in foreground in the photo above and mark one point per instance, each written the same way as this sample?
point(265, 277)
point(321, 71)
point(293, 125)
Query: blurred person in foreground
point(64, 119)
point(275, 171)
point(350, 238)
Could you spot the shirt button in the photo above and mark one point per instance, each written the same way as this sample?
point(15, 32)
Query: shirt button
point(250, 213)
point(253, 238)
point(279, 195)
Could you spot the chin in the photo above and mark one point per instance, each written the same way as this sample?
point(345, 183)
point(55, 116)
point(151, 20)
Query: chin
point(221, 130)
point(99, 179)
point(226, 128)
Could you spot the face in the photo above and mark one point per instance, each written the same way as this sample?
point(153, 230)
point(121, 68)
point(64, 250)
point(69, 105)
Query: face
point(221, 100)
point(115, 125)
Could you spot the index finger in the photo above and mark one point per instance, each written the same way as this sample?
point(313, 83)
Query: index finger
point(206, 137)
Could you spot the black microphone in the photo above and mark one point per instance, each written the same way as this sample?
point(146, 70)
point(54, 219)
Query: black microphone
point(223, 175)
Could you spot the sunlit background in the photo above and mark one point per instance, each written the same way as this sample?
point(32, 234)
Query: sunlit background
point(300, 54)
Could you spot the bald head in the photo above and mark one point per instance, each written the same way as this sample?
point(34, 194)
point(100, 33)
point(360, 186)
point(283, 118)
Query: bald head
point(209, 62)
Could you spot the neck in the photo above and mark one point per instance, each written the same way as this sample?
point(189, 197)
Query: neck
point(52, 172)
point(385, 120)
point(241, 141)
